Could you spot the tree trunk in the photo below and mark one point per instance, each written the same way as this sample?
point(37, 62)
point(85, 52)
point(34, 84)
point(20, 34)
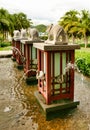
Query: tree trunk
point(86, 40)
point(73, 39)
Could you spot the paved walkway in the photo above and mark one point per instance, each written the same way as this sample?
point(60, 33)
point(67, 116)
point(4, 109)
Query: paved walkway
point(5, 53)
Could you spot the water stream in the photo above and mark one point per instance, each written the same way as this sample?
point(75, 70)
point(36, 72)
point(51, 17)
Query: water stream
point(19, 109)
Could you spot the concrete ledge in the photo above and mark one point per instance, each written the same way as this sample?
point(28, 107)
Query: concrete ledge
point(49, 110)
point(51, 47)
point(4, 54)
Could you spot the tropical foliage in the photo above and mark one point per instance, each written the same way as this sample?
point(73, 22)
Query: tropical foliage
point(76, 24)
point(4, 21)
point(82, 59)
point(10, 22)
point(41, 28)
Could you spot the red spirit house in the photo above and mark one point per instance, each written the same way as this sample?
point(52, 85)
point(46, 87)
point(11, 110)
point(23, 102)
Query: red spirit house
point(55, 82)
point(18, 48)
point(14, 45)
point(30, 54)
point(55, 72)
point(18, 51)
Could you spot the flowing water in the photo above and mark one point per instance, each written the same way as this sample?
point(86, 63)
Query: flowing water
point(19, 109)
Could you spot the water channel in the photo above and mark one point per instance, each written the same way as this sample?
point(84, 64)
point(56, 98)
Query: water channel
point(19, 109)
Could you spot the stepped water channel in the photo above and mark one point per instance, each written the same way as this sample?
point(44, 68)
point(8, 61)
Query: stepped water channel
point(19, 109)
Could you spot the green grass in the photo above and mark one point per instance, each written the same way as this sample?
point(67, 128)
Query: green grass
point(5, 45)
point(83, 53)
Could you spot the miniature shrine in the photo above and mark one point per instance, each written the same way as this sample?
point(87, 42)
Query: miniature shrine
point(14, 45)
point(17, 46)
point(30, 54)
point(56, 68)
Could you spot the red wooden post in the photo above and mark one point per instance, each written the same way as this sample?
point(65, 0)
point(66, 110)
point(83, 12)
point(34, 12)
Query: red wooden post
point(27, 59)
point(72, 76)
point(13, 50)
point(39, 64)
point(18, 56)
point(30, 54)
point(24, 53)
point(48, 77)
point(39, 59)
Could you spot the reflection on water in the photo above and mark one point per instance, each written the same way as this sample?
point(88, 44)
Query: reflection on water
point(19, 109)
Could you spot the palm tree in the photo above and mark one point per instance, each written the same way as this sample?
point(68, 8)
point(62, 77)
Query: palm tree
point(84, 25)
point(21, 21)
point(10, 22)
point(69, 22)
point(4, 22)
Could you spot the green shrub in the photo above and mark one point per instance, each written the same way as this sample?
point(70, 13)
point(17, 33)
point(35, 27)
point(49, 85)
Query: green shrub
point(83, 66)
point(83, 45)
point(83, 53)
point(5, 44)
point(88, 45)
point(44, 37)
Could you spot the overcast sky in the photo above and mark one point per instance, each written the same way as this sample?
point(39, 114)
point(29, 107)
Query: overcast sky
point(44, 11)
